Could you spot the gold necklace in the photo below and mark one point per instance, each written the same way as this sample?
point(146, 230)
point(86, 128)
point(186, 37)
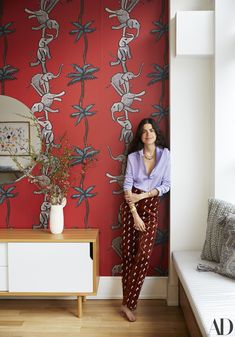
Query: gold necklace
point(149, 157)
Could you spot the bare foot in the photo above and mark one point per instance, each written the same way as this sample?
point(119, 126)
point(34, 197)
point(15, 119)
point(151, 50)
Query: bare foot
point(129, 314)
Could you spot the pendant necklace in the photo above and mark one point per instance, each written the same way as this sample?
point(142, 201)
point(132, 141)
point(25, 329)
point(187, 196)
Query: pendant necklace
point(148, 157)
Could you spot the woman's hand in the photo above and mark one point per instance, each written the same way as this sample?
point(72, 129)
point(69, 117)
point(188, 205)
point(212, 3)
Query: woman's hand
point(138, 222)
point(132, 198)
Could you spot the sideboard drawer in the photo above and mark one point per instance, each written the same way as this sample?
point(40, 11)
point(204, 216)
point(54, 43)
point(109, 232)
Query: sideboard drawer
point(3, 279)
point(3, 254)
point(50, 267)
point(38, 263)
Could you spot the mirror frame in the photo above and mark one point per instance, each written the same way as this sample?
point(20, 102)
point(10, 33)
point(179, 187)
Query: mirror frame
point(17, 118)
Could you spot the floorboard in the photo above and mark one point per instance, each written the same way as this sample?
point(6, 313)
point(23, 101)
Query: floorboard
point(101, 318)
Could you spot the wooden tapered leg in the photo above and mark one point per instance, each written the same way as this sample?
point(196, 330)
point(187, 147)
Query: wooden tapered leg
point(83, 298)
point(79, 303)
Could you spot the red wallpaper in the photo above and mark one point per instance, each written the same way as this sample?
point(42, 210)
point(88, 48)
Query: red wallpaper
point(94, 50)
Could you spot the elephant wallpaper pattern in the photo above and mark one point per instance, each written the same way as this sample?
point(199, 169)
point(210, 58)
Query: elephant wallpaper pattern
point(90, 70)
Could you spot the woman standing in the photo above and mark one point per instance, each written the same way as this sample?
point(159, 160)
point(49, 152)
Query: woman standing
point(147, 177)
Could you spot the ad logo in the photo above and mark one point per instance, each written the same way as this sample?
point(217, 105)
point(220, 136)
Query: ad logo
point(221, 327)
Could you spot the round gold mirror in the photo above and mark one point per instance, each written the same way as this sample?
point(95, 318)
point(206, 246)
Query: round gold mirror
point(19, 137)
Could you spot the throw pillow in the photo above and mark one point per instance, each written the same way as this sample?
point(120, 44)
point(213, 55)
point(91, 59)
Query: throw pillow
point(227, 259)
point(217, 211)
point(226, 266)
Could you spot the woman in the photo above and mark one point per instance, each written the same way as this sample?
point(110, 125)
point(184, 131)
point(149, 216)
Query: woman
point(147, 177)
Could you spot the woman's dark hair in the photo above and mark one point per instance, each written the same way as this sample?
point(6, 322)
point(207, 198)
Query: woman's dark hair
point(137, 144)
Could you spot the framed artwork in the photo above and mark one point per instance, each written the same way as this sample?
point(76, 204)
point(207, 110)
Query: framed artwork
point(14, 141)
point(14, 138)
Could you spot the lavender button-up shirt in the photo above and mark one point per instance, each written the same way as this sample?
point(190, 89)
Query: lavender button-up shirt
point(136, 174)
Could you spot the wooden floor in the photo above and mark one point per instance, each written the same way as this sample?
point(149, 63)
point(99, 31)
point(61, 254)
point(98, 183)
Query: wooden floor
point(101, 318)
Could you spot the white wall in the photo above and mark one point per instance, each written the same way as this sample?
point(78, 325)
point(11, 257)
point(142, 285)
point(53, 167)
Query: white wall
point(192, 125)
point(225, 99)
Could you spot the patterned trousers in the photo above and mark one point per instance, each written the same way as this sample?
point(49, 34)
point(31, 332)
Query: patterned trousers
point(137, 247)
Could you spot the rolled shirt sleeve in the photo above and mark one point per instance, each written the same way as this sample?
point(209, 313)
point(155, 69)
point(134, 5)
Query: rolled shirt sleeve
point(165, 185)
point(128, 180)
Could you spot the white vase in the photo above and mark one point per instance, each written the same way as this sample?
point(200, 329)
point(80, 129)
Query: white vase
point(56, 221)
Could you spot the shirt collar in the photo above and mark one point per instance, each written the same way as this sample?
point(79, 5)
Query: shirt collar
point(141, 152)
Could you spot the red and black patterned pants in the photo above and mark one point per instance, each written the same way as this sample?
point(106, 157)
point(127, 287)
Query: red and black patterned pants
point(137, 247)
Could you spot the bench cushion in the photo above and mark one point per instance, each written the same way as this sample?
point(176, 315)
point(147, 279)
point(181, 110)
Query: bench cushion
point(211, 295)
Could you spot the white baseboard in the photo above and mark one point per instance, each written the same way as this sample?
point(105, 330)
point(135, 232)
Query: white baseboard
point(173, 297)
point(111, 288)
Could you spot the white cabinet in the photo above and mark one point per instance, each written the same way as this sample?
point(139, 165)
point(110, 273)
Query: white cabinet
point(3, 279)
point(3, 267)
point(50, 267)
point(3, 254)
point(40, 263)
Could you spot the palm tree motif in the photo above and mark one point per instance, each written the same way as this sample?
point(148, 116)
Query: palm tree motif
point(6, 71)
point(160, 29)
point(161, 74)
point(116, 244)
point(160, 112)
point(83, 155)
point(84, 195)
point(5, 195)
point(161, 239)
point(82, 73)
point(161, 271)
point(4, 30)
point(82, 112)
point(81, 29)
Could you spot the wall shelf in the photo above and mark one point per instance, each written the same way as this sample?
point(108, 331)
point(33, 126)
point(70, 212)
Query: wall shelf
point(195, 33)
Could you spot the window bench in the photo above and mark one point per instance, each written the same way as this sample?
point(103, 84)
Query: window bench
point(203, 296)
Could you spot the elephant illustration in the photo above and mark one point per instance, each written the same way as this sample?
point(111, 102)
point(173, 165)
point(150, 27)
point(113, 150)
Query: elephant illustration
point(124, 17)
point(125, 104)
point(43, 52)
point(40, 82)
point(46, 102)
point(123, 52)
point(44, 215)
point(49, 166)
point(41, 180)
point(118, 223)
point(43, 18)
point(117, 269)
point(128, 98)
point(117, 245)
point(126, 133)
point(121, 158)
point(47, 133)
point(120, 81)
point(116, 179)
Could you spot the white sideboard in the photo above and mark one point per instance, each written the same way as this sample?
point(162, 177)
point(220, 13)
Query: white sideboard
point(38, 263)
